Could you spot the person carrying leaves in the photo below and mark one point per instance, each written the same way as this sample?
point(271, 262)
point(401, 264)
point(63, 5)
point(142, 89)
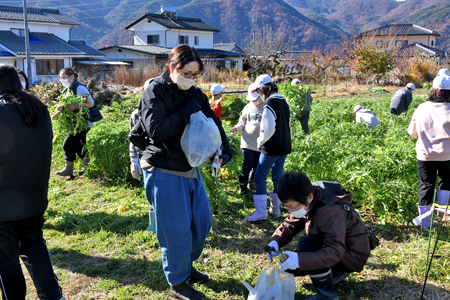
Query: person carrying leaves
point(74, 144)
point(304, 102)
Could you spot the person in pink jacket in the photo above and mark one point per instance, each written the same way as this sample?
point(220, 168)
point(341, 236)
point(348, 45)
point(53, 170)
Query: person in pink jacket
point(430, 125)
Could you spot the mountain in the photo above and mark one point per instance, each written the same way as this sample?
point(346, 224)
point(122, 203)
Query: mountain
point(436, 17)
point(312, 23)
point(102, 22)
point(355, 16)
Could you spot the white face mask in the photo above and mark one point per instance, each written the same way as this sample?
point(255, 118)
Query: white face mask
point(257, 102)
point(299, 213)
point(65, 83)
point(185, 83)
point(24, 85)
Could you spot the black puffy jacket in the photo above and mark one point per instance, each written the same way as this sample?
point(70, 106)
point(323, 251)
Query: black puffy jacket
point(164, 118)
point(25, 159)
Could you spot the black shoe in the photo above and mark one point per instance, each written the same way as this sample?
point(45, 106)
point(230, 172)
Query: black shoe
point(197, 276)
point(185, 292)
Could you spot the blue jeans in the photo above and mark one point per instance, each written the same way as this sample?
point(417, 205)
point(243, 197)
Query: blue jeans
point(249, 163)
point(183, 220)
point(265, 163)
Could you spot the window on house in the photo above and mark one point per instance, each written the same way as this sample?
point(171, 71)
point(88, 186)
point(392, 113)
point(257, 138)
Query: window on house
point(432, 43)
point(379, 44)
point(183, 39)
point(196, 40)
point(152, 39)
point(49, 66)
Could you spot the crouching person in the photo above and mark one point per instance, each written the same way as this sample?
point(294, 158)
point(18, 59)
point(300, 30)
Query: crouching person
point(336, 242)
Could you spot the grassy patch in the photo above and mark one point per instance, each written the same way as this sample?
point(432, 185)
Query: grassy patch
point(101, 252)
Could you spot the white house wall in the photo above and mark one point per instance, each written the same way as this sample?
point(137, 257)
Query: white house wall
point(8, 61)
point(128, 56)
point(143, 28)
point(168, 37)
point(206, 38)
point(424, 39)
point(61, 31)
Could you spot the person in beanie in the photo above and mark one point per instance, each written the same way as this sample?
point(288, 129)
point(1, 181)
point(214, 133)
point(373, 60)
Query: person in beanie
point(249, 124)
point(217, 93)
point(336, 242)
point(365, 115)
point(274, 142)
point(402, 99)
point(430, 125)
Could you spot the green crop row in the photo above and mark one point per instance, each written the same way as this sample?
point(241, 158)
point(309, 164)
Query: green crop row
point(378, 165)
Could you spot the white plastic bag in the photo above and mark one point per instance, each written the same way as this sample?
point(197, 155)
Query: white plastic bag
point(272, 286)
point(200, 139)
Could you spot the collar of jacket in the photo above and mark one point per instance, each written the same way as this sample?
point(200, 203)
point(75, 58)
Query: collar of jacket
point(317, 197)
point(165, 80)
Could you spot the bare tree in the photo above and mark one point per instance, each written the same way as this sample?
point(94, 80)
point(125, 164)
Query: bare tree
point(266, 48)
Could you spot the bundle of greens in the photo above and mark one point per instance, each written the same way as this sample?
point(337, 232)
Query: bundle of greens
point(66, 121)
point(294, 95)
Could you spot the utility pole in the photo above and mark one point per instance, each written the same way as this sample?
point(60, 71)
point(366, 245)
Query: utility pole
point(27, 42)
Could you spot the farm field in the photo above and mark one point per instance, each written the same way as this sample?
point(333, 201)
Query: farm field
point(95, 228)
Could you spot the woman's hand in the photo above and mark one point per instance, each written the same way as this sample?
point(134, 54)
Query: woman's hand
point(72, 107)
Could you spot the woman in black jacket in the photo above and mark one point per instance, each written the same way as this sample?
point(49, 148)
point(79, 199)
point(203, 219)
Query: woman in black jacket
point(173, 188)
point(25, 159)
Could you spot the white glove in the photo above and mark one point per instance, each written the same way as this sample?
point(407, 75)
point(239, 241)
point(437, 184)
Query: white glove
point(135, 168)
point(273, 245)
point(291, 263)
point(217, 162)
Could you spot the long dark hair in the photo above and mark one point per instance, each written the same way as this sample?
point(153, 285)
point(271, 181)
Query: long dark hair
point(439, 95)
point(181, 56)
point(28, 105)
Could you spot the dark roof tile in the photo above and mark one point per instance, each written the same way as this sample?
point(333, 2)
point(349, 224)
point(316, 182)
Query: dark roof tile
point(399, 29)
point(50, 44)
point(35, 14)
point(81, 45)
point(176, 22)
point(418, 48)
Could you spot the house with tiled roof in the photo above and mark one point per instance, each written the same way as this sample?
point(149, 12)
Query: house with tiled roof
point(154, 35)
point(51, 48)
point(411, 40)
point(404, 34)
